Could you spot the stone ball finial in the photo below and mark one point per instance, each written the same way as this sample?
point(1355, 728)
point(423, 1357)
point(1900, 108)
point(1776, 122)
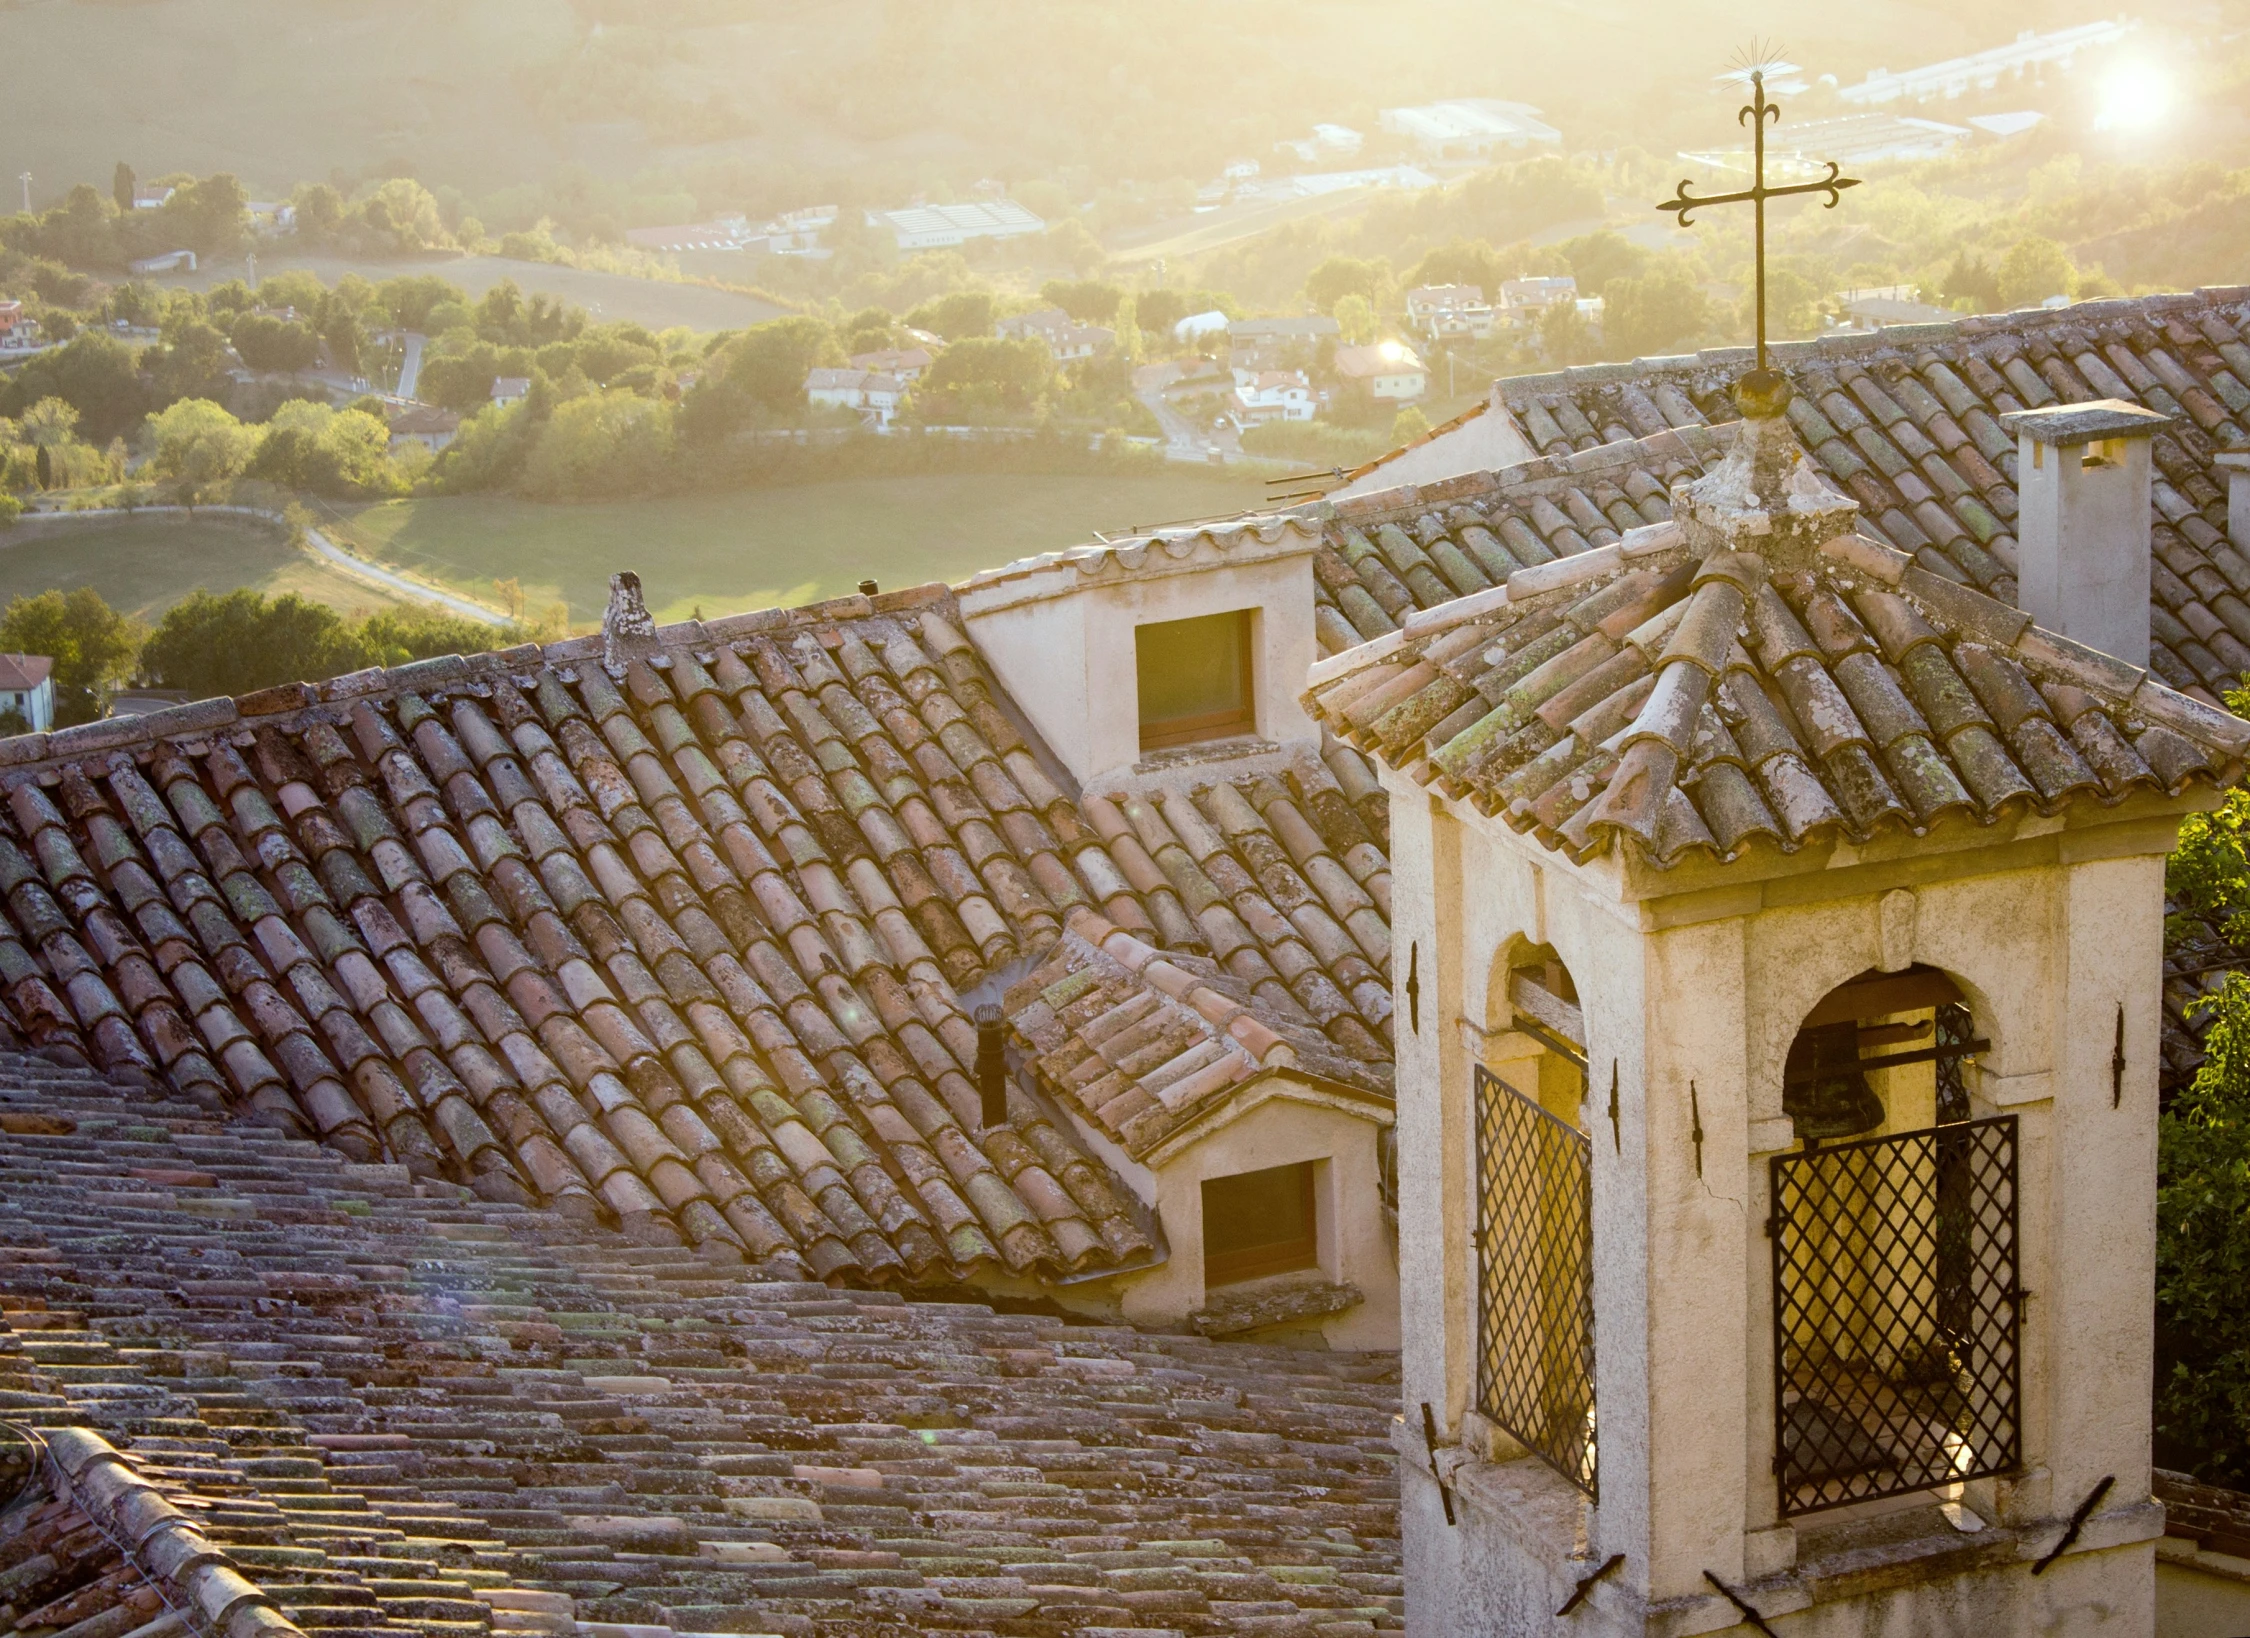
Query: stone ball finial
point(1762, 395)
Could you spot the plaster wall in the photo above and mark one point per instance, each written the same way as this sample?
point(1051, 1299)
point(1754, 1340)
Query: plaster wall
point(1484, 443)
point(2083, 538)
point(1061, 643)
point(1709, 998)
point(1354, 1239)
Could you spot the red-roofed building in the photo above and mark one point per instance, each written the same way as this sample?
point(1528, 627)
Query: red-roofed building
point(27, 687)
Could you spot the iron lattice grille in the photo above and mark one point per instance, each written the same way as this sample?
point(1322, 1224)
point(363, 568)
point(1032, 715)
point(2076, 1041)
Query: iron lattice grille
point(1896, 1313)
point(1535, 1295)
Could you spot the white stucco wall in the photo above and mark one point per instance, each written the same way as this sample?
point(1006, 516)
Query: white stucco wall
point(1354, 1240)
point(2048, 930)
point(1060, 640)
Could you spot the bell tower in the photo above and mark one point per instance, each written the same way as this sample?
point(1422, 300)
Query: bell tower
point(1777, 1135)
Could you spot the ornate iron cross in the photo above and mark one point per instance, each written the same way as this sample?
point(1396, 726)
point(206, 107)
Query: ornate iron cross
point(1756, 116)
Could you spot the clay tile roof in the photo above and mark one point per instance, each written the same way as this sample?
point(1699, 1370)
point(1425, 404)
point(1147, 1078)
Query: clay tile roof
point(1915, 423)
point(682, 945)
point(1632, 696)
point(1139, 1042)
point(19, 672)
point(1388, 554)
point(290, 1392)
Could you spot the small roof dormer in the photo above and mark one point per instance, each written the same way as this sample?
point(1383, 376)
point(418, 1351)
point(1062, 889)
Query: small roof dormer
point(1149, 655)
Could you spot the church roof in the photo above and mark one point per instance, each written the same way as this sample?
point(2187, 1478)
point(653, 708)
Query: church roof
point(689, 946)
point(1906, 421)
point(288, 1392)
point(1637, 696)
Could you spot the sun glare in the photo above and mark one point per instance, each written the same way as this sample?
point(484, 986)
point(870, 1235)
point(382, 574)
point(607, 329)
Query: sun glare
point(2134, 96)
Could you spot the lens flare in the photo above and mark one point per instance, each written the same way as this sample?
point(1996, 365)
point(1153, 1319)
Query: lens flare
point(2134, 96)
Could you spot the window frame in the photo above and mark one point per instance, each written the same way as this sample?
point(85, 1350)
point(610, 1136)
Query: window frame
point(1235, 722)
point(1275, 1257)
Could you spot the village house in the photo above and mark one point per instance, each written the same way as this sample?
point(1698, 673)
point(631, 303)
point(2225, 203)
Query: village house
point(1288, 343)
point(874, 395)
point(27, 687)
point(1273, 395)
point(1389, 372)
point(507, 389)
point(905, 363)
point(1524, 302)
point(425, 424)
point(1441, 311)
point(1065, 337)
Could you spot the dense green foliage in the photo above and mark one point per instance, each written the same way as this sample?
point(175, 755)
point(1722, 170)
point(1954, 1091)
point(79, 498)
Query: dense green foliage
point(230, 645)
point(91, 644)
point(2203, 1194)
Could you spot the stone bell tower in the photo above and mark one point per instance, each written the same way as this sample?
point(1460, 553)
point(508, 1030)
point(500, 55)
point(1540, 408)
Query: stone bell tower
point(1777, 1109)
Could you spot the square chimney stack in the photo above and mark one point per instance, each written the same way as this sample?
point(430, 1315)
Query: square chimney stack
point(2082, 528)
point(2236, 465)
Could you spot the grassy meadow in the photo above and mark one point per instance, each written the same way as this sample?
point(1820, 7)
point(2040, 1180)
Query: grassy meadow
point(751, 548)
point(759, 548)
point(144, 565)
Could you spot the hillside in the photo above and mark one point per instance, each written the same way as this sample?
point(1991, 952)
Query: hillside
point(673, 106)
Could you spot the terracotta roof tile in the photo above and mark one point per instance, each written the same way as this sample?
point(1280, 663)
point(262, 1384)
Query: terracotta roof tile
point(681, 944)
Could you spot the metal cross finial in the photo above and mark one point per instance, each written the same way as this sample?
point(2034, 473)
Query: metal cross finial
point(1756, 115)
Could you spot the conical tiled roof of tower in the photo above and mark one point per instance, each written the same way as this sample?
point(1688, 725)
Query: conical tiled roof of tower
point(671, 927)
point(1759, 672)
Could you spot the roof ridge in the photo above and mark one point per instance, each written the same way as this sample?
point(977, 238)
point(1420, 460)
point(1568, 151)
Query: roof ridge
point(1969, 327)
point(283, 702)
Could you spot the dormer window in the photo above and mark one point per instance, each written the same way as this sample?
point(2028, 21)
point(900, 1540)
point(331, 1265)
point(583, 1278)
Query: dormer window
point(1196, 681)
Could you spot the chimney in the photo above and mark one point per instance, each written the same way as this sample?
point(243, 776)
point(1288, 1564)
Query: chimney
point(2236, 466)
point(2082, 531)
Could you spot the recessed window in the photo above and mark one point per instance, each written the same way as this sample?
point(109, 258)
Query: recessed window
point(1259, 1223)
point(1195, 679)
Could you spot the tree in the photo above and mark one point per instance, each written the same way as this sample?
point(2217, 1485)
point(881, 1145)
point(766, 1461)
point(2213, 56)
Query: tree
point(606, 443)
point(1658, 312)
point(2033, 270)
point(1971, 281)
point(269, 343)
point(1464, 261)
point(192, 362)
point(320, 211)
point(957, 316)
point(1356, 319)
point(768, 362)
point(211, 216)
point(52, 423)
point(1089, 301)
point(122, 184)
point(233, 644)
point(1409, 424)
point(2203, 1180)
point(91, 644)
point(93, 373)
point(1341, 276)
point(1599, 259)
point(987, 373)
point(199, 443)
point(44, 464)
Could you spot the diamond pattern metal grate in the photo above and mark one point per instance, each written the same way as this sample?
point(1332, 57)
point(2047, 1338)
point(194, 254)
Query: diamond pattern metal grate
point(1535, 1297)
point(1896, 1314)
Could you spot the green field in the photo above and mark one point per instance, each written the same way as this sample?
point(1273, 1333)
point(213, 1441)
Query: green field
point(145, 565)
point(758, 548)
